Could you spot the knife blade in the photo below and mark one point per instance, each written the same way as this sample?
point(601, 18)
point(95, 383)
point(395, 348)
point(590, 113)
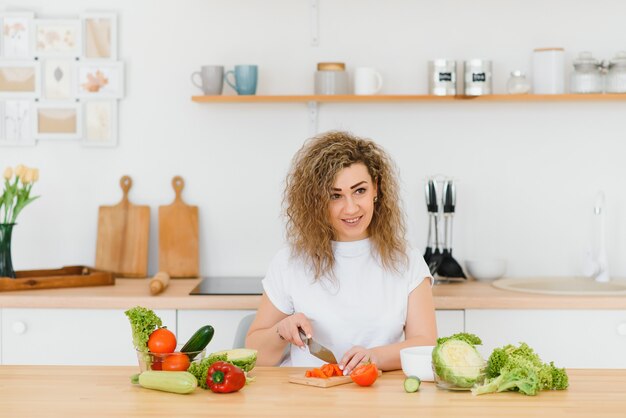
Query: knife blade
point(318, 350)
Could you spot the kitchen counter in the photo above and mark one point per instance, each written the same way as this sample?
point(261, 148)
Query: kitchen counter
point(65, 391)
point(131, 292)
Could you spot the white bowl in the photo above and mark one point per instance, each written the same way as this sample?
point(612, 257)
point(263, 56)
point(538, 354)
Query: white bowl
point(417, 361)
point(486, 269)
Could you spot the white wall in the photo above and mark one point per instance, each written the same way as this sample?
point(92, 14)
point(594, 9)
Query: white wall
point(527, 172)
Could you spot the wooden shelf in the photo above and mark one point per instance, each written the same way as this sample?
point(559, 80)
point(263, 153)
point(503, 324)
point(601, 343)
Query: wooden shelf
point(411, 98)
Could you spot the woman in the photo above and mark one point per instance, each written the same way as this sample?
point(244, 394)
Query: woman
point(347, 279)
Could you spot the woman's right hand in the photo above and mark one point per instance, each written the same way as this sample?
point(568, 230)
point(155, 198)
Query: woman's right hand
point(289, 328)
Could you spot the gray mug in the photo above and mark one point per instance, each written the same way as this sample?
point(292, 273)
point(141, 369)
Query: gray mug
point(211, 80)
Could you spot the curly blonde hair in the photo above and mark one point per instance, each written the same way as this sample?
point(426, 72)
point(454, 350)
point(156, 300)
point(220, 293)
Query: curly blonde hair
point(307, 195)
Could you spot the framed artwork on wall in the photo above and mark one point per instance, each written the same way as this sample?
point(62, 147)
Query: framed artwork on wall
point(20, 79)
point(100, 80)
point(16, 123)
point(17, 35)
point(57, 38)
point(58, 78)
point(57, 120)
point(99, 36)
point(100, 123)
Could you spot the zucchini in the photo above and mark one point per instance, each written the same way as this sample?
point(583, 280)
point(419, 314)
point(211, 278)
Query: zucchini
point(412, 384)
point(198, 341)
point(175, 382)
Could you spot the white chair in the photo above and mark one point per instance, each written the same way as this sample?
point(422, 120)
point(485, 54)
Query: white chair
point(242, 330)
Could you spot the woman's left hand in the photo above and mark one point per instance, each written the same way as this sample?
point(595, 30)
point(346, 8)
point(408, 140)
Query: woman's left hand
point(355, 356)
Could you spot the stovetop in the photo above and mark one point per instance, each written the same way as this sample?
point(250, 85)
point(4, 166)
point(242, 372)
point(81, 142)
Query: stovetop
point(229, 286)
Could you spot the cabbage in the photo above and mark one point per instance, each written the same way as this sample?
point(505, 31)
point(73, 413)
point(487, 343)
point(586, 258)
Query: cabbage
point(458, 362)
point(244, 358)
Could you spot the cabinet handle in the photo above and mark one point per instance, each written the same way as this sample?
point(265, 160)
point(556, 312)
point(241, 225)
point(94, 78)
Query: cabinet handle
point(19, 327)
point(621, 329)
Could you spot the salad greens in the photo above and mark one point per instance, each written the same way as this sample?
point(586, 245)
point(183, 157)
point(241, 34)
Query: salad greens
point(142, 322)
point(243, 358)
point(521, 369)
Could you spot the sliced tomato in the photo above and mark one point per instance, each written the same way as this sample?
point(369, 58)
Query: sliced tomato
point(365, 374)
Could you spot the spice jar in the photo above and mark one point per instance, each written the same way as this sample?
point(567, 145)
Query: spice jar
point(477, 77)
point(442, 77)
point(587, 74)
point(517, 83)
point(331, 78)
point(616, 77)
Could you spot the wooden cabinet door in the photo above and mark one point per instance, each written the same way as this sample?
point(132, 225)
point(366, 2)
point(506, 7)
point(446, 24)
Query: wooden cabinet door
point(71, 336)
point(570, 338)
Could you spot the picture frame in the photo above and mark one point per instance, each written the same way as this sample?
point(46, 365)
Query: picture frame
point(20, 79)
point(99, 35)
point(15, 123)
point(100, 80)
point(100, 123)
point(57, 38)
point(57, 120)
point(17, 31)
point(58, 75)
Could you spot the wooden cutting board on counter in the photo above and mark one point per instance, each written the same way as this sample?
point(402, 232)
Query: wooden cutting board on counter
point(178, 236)
point(318, 382)
point(123, 235)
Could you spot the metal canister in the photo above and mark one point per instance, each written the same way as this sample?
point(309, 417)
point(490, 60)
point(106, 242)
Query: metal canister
point(478, 79)
point(442, 77)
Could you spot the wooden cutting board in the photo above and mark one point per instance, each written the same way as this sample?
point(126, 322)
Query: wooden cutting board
point(178, 236)
point(319, 382)
point(123, 234)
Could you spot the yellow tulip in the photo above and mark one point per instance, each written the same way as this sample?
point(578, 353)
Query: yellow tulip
point(28, 177)
point(35, 174)
point(8, 173)
point(20, 170)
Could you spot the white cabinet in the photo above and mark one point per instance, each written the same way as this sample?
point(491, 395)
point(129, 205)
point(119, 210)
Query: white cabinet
point(224, 322)
point(450, 322)
point(70, 336)
point(570, 338)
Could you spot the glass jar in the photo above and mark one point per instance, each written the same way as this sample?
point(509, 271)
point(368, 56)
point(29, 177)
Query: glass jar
point(517, 83)
point(587, 74)
point(616, 77)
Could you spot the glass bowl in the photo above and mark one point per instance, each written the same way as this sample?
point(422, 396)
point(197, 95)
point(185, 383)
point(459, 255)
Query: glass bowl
point(463, 378)
point(154, 361)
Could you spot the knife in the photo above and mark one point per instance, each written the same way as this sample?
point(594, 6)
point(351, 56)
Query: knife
point(318, 350)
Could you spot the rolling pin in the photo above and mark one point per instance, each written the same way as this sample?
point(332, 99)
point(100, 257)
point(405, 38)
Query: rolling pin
point(159, 282)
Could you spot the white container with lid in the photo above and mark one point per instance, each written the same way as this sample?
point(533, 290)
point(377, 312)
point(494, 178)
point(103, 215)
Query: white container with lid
point(477, 77)
point(442, 77)
point(548, 71)
point(587, 74)
point(616, 77)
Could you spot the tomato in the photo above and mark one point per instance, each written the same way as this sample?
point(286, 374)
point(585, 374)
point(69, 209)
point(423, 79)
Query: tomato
point(177, 362)
point(365, 374)
point(162, 340)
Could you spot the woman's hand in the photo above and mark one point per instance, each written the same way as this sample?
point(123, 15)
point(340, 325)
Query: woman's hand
point(355, 356)
point(289, 328)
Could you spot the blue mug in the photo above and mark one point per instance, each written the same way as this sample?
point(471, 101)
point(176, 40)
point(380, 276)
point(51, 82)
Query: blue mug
point(245, 79)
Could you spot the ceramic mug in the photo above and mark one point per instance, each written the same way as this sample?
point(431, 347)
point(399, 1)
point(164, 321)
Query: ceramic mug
point(245, 79)
point(367, 81)
point(210, 79)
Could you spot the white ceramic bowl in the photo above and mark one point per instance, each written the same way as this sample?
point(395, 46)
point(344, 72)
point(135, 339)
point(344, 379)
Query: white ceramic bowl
point(486, 269)
point(417, 361)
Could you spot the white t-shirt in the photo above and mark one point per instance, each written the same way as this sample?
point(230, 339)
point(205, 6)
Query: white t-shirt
point(365, 305)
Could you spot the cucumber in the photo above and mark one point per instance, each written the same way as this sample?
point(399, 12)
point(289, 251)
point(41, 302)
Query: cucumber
point(175, 382)
point(198, 341)
point(412, 384)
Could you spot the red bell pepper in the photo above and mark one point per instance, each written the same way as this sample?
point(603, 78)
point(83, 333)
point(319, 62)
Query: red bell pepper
point(225, 377)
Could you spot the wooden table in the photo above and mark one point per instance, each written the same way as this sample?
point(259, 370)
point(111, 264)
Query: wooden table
point(73, 391)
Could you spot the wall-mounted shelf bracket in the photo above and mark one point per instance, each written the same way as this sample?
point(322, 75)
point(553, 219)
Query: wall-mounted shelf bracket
point(315, 37)
point(313, 112)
